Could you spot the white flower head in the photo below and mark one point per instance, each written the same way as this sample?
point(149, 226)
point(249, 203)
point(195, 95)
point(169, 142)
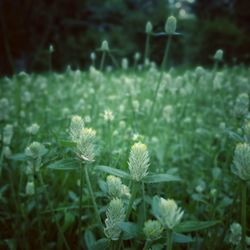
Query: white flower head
point(170, 25)
point(138, 161)
point(108, 115)
point(152, 229)
point(33, 129)
point(35, 150)
point(170, 213)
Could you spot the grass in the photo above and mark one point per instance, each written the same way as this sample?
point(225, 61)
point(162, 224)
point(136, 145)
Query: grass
point(190, 135)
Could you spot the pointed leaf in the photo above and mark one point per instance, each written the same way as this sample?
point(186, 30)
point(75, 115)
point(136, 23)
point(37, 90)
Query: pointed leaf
point(113, 171)
point(65, 164)
point(190, 226)
point(181, 238)
point(156, 178)
point(89, 238)
point(129, 229)
point(101, 244)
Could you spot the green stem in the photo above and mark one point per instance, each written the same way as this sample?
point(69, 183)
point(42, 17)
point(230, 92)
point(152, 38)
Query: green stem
point(92, 196)
point(147, 49)
point(131, 201)
point(243, 212)
point(53, 213)
point(80, 207)
point(147, 245)
point(102, 60)
point(169, 239)
point(113, 60)
point(164, 61)
point(143, 202)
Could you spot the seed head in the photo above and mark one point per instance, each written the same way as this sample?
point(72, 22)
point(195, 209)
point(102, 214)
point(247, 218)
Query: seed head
point(170, 25)
point(241, 161)
point(149, 27)
point(170, 213)
point(152, 229)
point(86, 144)
point(105, 46)
point(138, 161)
point(115, 215)
point(218, 56)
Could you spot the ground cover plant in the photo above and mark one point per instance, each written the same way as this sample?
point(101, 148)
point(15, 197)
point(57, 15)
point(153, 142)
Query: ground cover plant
point(134, 158)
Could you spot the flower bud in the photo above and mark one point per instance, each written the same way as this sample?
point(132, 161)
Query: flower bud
point(138, 161)
point(105, 46)
point(170, 25)
point(170, 213)
point(149, 27)
point(30, 188)
point(152, 229)
point(241, 161)
point(115, 215)
point(218, 56)
point(85, 144)
point(35, 150)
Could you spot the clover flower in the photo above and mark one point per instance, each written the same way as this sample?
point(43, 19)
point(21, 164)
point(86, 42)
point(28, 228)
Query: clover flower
point(7, 134)
point(241, 105)
point(235, 233)
point(218, 56)
point(152, 229)
point(76, 126)
point(33, 129)
point(149, 27)
point(30, 188)
point(116, 189)
point(115, 215)
point(35, 150)
point(170, 214)
point(241, 161)
point(108, 115)
point(105, 46)
point(170, 25)
point(138, 161)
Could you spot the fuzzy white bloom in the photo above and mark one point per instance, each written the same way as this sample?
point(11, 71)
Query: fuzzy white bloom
point(170, 213)
point(152, 229)
point(138, 161)
point(105, 46)
point(235, 233)
point(149, 27)
point(218, 56)
point(30, 188)
point(115, 215)
point(241, 161)
point(86, 144)
point(7, 134)
point(108, 115)
point(241, 105)
point(170, 25)
point(35, 150)
point(33, 129)
point(116, 189)
point(76, 126)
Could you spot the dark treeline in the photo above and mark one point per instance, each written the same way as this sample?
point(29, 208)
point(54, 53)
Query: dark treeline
point(77, 27)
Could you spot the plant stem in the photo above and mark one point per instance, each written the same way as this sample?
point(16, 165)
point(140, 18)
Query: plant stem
point(53, 213)
point(102, 60)
point(92, 196)
point(113, 60)
point(147, 48)
point(243, 213)
point(146, 246)
point(169, 239)
point(143, 202)
point(80, 207)
point(131, 201)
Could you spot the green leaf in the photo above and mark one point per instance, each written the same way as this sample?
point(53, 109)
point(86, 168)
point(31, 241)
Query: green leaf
point(69, 219)
point(89, 238)
point(181, 238)
point(113, 171)
point(69, 144)
point(156, 178)
point(129, 229)
point(65, 164)
point(101, 244)
point(19, 157)
point(190, 226)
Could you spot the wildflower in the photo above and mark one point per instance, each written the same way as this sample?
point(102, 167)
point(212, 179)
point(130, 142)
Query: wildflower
point(218, 56)
point(115, 187)
point(7, 134)
point(7, 151)
point(241, 105)
point(170, 213)
point(76, 126)
point(4, 109)
point(149, 27)
point(235, 233)
point(108, 115)
point(170, 25)
point(241, 161)
point(152, 229)
point(33, 129)
point(138, 161)
point(168, 112)
point(137, 56)
point(85, 144)
point(35, 150)
point(105, 46)
point(92, 56)
point(125, 63)
point(115, 215)
point(30, 188)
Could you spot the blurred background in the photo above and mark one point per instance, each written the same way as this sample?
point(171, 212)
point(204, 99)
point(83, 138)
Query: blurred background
point(76, 28)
